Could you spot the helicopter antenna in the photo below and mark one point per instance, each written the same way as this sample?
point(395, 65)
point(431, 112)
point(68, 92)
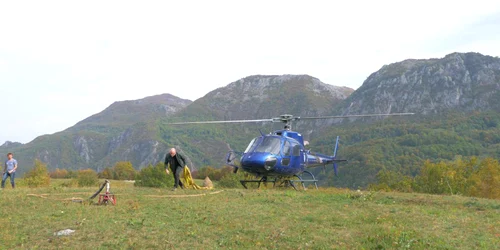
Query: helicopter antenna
point(261, 132)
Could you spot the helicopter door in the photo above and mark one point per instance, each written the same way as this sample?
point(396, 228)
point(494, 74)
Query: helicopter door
point(286, 152)
point(296, 150)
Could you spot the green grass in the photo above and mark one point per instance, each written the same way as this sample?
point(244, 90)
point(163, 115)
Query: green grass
point(242, 219)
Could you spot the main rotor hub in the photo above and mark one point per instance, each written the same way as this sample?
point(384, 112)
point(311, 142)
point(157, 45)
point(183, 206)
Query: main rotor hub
point(286, 118)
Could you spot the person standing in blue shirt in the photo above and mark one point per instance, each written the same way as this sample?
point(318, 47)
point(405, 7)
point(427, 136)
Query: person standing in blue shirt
point(9, 170)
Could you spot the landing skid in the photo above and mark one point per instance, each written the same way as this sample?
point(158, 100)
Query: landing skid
point(262, 180)
point(305, 178)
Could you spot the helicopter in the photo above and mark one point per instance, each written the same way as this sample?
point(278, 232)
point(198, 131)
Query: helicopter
point(280, 157)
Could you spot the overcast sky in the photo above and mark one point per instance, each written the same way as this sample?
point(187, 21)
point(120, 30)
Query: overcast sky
point(62, 61)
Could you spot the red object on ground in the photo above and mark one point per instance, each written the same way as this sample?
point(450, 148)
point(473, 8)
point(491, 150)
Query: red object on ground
point(105, 199)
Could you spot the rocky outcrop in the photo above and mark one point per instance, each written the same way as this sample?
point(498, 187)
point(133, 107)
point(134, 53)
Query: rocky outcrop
point(119, 140)
point(83, 149)
point(459, 81)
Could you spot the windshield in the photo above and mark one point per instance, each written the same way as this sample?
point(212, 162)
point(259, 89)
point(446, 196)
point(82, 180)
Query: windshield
point(251, 145)
point(269, 145)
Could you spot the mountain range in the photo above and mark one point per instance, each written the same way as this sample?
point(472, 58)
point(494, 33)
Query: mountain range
point(441, 91)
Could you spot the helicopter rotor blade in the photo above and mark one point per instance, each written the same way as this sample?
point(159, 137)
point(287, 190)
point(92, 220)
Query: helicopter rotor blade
point(351, 116)
point(288, 118)
point(216, 122)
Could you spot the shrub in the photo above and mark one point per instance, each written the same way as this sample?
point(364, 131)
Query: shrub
point(212, 173)
point(204, 172)
point(72, 174)
point(59, 174)
point(71, 183)
point(87, 178)
point(154, 176)
point(231, 180)
point(392, 181)
point(38, 176)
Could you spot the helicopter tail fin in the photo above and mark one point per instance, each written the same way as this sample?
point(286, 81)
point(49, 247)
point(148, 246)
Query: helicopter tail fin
point(335, 165)
point(336, 147)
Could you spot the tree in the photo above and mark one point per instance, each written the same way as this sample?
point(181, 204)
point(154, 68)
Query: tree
point(474, 177)
point(107, 173)
point(123, 170)
point(38, 176)
point(486, 180)
point(431, 179)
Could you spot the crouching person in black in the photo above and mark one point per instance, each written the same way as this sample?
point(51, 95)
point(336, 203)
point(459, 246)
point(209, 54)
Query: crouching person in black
point(176, 161)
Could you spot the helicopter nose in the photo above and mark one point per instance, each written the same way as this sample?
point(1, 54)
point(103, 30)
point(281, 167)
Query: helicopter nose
point(259, 162)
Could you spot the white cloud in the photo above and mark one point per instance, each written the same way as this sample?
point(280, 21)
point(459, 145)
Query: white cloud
point(89, 54)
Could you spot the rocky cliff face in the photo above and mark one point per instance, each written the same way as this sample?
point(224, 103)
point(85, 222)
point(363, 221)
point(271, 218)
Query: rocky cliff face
point(459, 81)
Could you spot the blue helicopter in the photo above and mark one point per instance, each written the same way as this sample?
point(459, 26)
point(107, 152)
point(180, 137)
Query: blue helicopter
point(281, 157)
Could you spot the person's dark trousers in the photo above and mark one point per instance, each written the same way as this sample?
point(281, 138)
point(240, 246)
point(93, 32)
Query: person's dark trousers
point(177, 177)
point(12, 176)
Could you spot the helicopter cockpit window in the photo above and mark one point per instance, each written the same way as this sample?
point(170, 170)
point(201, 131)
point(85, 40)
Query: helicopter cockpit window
point(251, 145)
point(286, 148)
point(269, 145)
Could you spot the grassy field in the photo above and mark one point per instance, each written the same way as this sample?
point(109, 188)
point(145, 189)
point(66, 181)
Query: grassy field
point(242, 219)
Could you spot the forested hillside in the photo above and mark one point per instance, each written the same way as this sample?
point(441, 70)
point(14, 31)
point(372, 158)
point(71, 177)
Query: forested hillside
point(404, 144)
